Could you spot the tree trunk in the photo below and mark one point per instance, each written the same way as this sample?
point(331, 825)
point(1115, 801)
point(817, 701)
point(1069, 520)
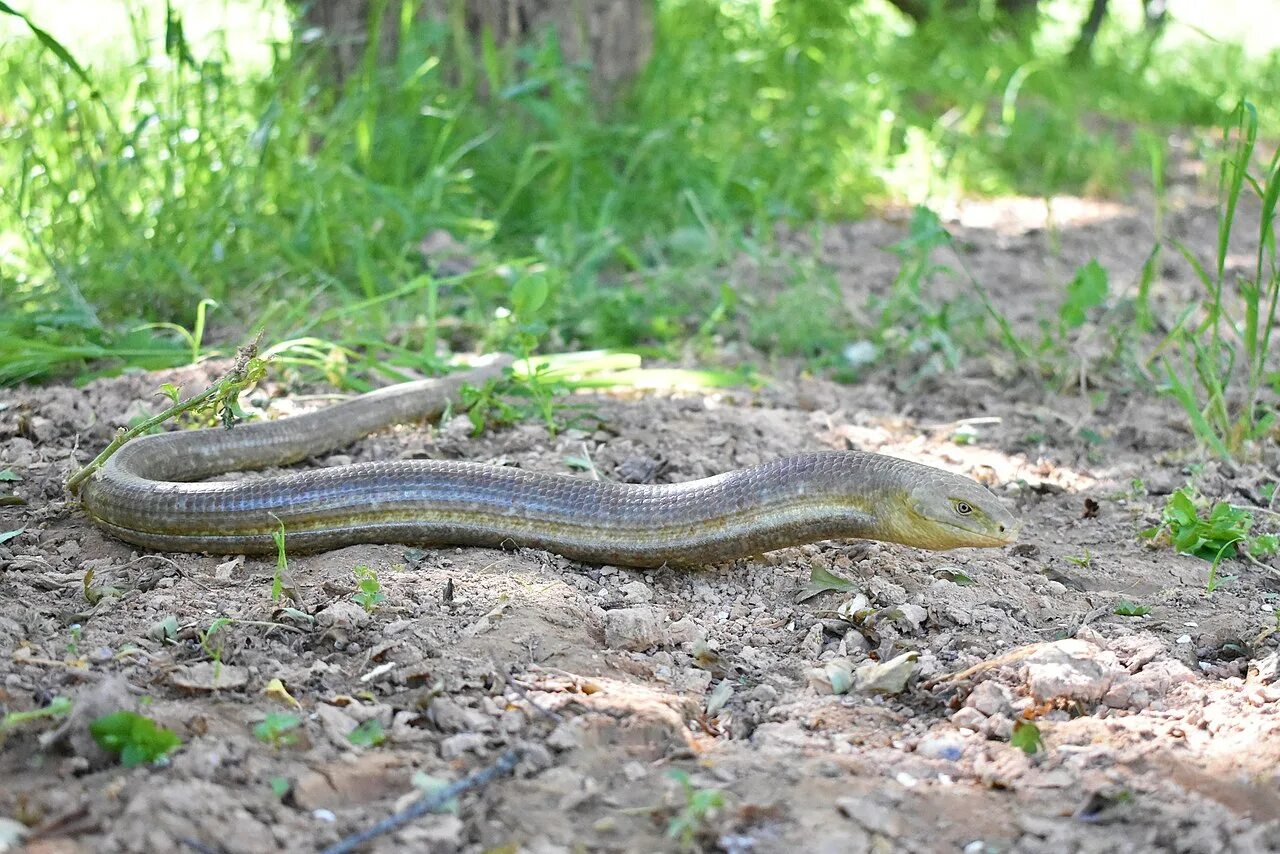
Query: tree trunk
point(1082, 51)
point(1021, 15)
point(614, 36)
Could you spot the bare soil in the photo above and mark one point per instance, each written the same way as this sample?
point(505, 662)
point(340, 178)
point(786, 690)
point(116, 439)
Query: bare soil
point(1161, 732)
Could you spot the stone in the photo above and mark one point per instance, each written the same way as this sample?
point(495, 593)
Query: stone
point(336, 723)
point(635, 628)
point(512, 721)
point(990, 698)
point(941, 747)
point(534, 758)
point(999, 727)
point(464, 742)
point(885, 591)
point(872, 815)
point(969, 719)
point(1136, 651)
point(1265, 670)
point(1126, 693)
point(207, 676)
point(1070, 669)
point(11, 834)
point(811, 646)
point(683, 630)
point(343, 615)
point(439, 833)
point(343, 784)
point(156, 816)
point(451, 716)
point(566, 736)
point(913, 616)
point(636, 591)
point(1159, 677)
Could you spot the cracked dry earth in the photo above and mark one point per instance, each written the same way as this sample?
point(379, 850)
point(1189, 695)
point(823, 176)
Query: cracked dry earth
point(1161, 733)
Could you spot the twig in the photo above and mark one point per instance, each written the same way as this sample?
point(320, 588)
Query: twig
point(519, 689)
point(433, 802)
point(983, 666)
point(247, 369)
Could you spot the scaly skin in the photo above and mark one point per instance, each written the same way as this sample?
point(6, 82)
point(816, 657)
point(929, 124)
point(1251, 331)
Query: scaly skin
point(143, 495)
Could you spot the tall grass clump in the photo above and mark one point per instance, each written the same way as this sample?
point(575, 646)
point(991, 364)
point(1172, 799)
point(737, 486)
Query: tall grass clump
point(1216, 358)
point(397, 213)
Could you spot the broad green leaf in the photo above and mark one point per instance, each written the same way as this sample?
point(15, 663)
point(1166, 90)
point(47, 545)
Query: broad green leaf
point(822, 581)
point(1026, 737)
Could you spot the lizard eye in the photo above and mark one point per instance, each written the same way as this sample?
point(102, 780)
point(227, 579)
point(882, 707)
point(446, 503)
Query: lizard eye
point(963, 508)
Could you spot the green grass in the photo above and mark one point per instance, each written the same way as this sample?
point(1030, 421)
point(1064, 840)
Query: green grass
point(171, 193)
point(1216, 358)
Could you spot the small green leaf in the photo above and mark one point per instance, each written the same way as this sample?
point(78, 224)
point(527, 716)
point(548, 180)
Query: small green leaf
point(1026, 737)
point(430, 786)
point(1264, 545)
point(171, 391)
point(133, 738)
point(165, 629)
point(1086, 291)
point(9, 535)
point(280, 786)
point(368, 734)
point(1180, 508)
point(276, 728)
point(1125, 608)
point(528, 295)
point(955, 576)
point(9, 475)
point(368, 588)
point(823, 581)
point(1090, 437)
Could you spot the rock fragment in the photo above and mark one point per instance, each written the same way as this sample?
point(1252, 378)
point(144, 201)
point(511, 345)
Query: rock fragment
point(990, 698)
point(635, 628)
point(1070, 669)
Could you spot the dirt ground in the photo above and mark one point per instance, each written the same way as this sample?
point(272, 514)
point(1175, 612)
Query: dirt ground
point(1161, 732)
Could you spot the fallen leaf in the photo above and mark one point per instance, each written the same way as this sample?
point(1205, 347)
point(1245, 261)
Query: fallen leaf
point(372, 777)
point(210, 676)
point(834, 677)
point(275, 690)
point(821, 581)
point(1026, 737)
point(886, 677)
point(719, 697)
